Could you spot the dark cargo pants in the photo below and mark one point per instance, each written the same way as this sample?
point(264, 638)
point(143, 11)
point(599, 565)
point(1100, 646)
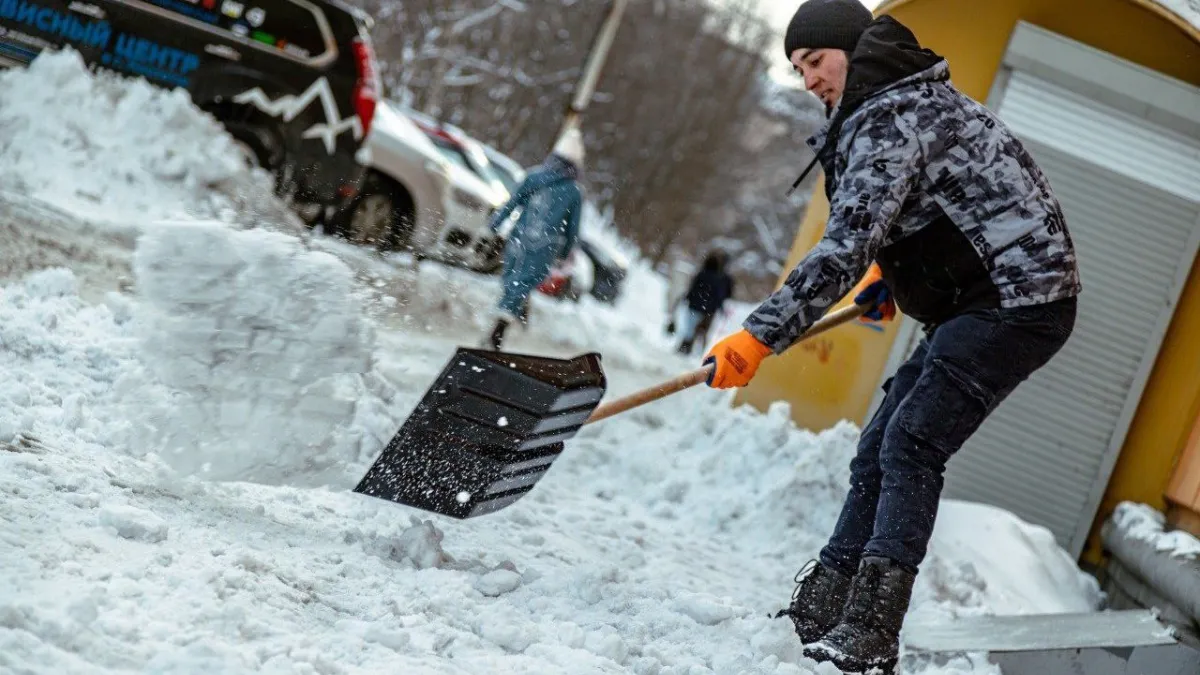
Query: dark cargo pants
point(959, 373)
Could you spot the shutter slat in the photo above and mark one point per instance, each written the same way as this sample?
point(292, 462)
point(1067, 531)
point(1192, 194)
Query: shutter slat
point(1037, 492)
point(1100, 134)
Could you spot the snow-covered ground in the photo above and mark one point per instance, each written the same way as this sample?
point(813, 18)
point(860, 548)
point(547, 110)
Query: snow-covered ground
point(183, 417)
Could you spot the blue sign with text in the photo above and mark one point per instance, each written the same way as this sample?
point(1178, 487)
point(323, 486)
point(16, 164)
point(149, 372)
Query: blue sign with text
point(47, 20)
point(138, 55)
point(151, 59)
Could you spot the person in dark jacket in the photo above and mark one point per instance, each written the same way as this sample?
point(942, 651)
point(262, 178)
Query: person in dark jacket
point(938, 210)
point(551, 204)
point(706, 295)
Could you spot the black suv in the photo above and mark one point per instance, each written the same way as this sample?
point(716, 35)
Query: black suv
point(294, 81)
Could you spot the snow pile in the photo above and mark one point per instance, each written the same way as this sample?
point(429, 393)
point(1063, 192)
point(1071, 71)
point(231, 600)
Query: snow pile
point(266, 350)
point(985, 560)
point(250, 359)
point(1144, 523)
point(63, 360)
point(118, 149)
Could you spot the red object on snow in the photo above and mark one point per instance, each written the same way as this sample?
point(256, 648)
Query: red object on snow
point(560, 274)
point(554, 282)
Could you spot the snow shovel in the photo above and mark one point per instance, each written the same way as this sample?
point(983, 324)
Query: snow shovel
point(490, 426)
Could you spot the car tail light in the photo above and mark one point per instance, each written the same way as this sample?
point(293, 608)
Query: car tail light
point(440, 135)
point(368, 88)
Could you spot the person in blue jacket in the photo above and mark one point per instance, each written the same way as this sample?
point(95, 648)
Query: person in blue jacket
point(551, 202)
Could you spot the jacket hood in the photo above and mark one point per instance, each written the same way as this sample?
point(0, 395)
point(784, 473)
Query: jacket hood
point(561, 166)
point(554, 170)
point(887, 57)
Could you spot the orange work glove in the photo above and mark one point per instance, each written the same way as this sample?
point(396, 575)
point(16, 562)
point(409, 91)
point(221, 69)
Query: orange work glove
point(873, 291)
point(736, 358)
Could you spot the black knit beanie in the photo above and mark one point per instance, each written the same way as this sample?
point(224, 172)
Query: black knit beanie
point(820, 24)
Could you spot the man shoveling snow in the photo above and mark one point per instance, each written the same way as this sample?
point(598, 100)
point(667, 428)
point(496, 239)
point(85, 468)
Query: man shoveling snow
point(939, 211)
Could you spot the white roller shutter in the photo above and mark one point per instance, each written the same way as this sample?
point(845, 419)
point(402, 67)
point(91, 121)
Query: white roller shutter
point(1130, 190)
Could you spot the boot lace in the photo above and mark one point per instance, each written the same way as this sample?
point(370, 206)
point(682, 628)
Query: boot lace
point(805, 572)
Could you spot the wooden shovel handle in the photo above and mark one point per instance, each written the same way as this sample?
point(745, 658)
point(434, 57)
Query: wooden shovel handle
point(637, 398)
point(695, 377)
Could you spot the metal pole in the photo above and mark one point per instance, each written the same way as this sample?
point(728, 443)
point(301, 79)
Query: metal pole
point(591, 71)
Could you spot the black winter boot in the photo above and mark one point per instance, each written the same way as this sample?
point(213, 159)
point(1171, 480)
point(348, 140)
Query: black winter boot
point(867, 640)
point(497, 336)
point(817, 601)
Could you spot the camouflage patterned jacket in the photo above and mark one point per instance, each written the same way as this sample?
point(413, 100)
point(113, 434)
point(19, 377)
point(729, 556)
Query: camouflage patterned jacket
point(931, 185)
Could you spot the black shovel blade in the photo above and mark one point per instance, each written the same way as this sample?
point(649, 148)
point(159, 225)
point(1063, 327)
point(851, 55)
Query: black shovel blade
point(486, 431)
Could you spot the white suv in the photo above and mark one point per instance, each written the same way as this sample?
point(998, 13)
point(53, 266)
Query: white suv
point(417, 197)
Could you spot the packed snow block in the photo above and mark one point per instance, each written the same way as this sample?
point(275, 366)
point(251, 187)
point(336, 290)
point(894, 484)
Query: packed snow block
point(185, 263)
point(324, 400)
point(333, 329)
point(262, 368)
point(345, 363)
point(263, 299)
point(268, 257)
point(486, 431)
point(267, 339)
point(191, 335)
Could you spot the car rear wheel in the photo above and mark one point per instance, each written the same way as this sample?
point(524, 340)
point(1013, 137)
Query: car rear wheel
point(263, 147)
point(382, 216)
